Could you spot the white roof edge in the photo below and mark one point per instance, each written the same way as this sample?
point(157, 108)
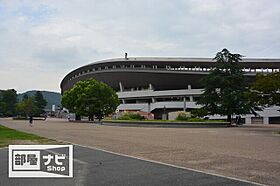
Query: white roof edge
point(178, 59)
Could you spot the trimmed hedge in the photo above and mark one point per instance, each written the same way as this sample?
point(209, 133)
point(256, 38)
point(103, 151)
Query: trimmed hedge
point(131, 116)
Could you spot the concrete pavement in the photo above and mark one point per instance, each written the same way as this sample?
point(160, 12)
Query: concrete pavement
point(93, 167)
point(250, 153)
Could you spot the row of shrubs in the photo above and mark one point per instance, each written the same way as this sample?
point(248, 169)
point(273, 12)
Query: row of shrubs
point(131, 116)
point(183, 116)
point(196, 115)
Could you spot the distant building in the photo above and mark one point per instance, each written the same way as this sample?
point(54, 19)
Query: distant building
point(159, 85)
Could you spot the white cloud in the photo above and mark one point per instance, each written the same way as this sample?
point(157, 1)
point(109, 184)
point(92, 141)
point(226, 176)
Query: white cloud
point(41, 41)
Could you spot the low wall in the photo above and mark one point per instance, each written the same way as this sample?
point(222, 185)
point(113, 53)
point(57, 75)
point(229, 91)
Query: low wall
point(165, 124)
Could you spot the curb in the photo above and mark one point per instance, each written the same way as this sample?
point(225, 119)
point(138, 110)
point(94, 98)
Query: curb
point(160, 124)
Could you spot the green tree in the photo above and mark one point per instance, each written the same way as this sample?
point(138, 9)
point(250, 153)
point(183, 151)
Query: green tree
point(226, 90)
point(2, 108)
point(90, 98)
point(39, 102)
point(27, 107)
point(265, 91)
point(8, 100)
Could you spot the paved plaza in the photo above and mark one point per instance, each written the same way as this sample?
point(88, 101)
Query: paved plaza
point(248, 152)
point(94, 167)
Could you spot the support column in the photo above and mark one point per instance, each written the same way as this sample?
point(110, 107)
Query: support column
point(191, 98)
point(164, 115)
point(121, 87)
point(149, 108)
point(265, 120)
point(184, 104)
point(248, 120)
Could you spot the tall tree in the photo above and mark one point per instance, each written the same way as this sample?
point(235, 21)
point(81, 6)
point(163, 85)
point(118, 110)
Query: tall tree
point(265, 90)
point(39, 102)
point(8, 100)
point(226, 90)
point(27, 107)
point(91, 98)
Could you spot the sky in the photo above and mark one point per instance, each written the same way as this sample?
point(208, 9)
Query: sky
point(43, 40)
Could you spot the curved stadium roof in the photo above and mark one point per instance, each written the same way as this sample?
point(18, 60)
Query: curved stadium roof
point(162, 73)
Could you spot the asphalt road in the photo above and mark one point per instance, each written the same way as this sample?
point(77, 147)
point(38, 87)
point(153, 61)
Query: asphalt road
point(94, 167)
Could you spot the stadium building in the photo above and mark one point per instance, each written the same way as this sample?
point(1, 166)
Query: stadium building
point(163, 85)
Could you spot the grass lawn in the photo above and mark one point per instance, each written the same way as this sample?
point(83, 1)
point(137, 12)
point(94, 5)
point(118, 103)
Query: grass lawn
point(13, 137)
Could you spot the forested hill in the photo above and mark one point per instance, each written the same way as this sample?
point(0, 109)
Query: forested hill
point(53, 98)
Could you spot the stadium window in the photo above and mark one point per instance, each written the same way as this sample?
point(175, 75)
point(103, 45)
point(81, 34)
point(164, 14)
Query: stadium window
point(187, 99)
